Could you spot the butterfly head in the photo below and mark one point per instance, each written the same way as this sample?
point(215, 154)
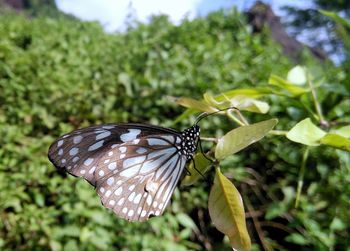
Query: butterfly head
point(190, 139)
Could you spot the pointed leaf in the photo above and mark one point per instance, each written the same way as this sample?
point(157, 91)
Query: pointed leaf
point(336, 141)
point(241, 137)
point(248, 92)
point(241, 102)
point(193, 103)
point(305, 132)
point(250, 104)
point(286, 86)
point(202, 164)
point(227, 212)
point(343, 131)
point(297, 75)
point(210, 99)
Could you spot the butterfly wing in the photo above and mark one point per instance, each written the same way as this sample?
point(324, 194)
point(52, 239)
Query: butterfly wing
point(135, 168)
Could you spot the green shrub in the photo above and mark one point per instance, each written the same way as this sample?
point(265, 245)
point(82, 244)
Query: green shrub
point(59, 74)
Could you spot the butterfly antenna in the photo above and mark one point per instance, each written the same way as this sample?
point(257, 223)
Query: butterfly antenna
point(205, 114)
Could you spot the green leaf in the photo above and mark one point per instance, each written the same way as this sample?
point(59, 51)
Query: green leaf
point(227, 212)
point(193, 103)
point(250, 104)
point(336, 18)
point(248, 92)
point(287, 87)
point(297, 239)
point(201, 164)
point(297, 75)
point(211, 100)
point(305, 132)
point(186, 221)
point(240, 102)
point(241, 137)
point(275, 209)
point(336, 141)
point(337, 224)
point(343, 131)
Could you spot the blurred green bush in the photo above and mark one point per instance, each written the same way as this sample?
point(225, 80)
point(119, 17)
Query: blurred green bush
point(59, 74)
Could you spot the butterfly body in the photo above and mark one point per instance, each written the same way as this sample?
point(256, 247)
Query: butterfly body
point(134, 167)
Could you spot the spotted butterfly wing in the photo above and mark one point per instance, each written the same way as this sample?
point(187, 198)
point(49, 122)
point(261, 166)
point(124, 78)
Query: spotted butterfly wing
point(134, 167)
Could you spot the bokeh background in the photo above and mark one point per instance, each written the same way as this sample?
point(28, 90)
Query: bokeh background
point(59, 73)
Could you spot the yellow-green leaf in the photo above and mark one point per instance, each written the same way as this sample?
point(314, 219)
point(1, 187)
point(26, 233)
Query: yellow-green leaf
point(248, 92)
point(227, 212)
point(202, 165)
point(241, 137)
point(211, 100)
point(241, 102)
point(305, 132)
point(336, 141)
point(193, 103)
point(287, 86)
point(250, 104)
point(343, 131)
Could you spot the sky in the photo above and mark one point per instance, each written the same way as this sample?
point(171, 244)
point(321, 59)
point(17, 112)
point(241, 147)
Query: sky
point(114, 14)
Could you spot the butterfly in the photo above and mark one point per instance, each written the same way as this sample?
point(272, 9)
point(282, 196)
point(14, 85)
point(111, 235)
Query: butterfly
point(134, 167)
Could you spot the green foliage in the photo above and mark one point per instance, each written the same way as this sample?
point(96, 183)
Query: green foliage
point(59, 74)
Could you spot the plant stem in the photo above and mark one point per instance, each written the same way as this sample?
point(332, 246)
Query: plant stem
point(232, 117)
point(210, 139)
point(316, 103)
point(301, 177)
point(278, 132)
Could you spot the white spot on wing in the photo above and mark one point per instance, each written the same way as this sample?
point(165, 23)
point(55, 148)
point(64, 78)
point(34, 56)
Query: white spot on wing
point(77, 139)
point(103, 135)
point(118, 191)
point(120, 202)
point(131, 196)
point(156, 141)
point(141, 150)
point(131, 135)
point(60, 152)
point(137, 198)
point(73, 151)
point(149, 200)
point(88, 161)
point(131, 213)
point(131, 187)
point(122, 149)
point(112, 166)
point(95, 146)
point(169, 138)
point(92, 170)
point(110, 181)
point(59, 143)
point(133, 161)
point(130, 171)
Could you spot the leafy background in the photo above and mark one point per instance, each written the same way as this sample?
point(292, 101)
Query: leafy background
point(58, 74)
